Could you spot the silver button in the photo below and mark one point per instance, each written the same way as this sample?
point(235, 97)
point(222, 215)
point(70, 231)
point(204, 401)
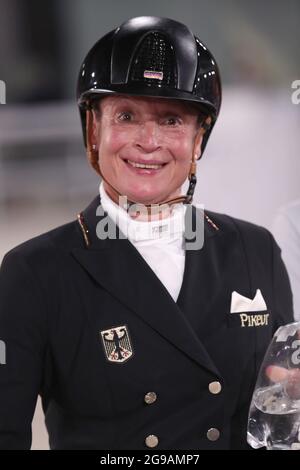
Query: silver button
point(213, 434)
point(151, 441)
point(215, 388)
point(150, 398)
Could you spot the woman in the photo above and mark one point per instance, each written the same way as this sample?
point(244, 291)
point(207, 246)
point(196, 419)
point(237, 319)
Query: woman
point(136, 333)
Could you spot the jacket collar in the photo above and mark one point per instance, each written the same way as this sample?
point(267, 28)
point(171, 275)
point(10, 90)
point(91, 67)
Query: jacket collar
point(94, 213)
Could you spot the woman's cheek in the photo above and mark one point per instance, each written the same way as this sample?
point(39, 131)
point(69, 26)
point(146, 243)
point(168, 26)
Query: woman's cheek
point(182, 152)
point(115, 140)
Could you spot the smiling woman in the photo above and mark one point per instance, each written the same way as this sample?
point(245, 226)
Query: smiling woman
point(130, 339)
point(131, 133)
point(151, 71)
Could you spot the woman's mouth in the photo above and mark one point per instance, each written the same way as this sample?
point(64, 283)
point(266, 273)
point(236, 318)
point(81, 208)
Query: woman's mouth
point(144, 168)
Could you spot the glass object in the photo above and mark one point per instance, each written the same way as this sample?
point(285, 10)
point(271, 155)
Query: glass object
point(274, 416)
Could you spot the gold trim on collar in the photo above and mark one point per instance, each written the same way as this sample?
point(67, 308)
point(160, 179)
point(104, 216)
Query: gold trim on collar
point(211, 222)
point(84, 229)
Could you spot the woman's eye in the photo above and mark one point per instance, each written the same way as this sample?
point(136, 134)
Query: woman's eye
point(125, 116)
point(172, 121)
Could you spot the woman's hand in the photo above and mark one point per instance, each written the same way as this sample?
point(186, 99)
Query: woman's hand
point(290, 377)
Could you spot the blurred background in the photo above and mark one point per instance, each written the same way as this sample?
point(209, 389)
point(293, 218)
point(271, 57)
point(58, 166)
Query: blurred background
point(250, 168)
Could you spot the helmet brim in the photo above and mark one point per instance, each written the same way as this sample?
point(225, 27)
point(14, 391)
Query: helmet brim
point(147, 92)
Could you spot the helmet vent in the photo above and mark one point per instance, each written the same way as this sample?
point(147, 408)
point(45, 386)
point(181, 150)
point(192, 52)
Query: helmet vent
point(154, 62)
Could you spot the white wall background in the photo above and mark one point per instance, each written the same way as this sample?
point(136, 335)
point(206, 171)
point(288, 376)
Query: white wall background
point(252, 163)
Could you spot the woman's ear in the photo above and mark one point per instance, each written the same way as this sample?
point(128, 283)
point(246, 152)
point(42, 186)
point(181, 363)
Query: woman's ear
point(92, 139)
point(92, 129)
point(199, 137)
point(197, 144)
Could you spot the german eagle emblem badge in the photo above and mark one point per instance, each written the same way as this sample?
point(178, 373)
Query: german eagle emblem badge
point(117, 344)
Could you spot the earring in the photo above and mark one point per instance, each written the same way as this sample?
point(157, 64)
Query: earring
point(94, 146)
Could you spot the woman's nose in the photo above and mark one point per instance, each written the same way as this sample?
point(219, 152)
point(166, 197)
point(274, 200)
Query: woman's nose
point(148, 137)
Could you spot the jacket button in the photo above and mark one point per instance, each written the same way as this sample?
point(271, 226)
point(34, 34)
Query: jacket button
point(151, 441)
point(150, 398)
point(215, 388)
point(213, 434)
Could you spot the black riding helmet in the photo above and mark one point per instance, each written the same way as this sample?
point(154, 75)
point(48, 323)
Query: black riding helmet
point(151, 57)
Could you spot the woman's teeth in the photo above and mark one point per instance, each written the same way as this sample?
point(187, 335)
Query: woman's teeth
point(142, 165)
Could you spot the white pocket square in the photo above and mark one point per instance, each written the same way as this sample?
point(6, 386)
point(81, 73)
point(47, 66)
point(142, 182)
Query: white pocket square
point(240, 303)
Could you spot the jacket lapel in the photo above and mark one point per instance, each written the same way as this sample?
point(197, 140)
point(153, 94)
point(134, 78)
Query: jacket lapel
point(206, 289)
point(118, 267)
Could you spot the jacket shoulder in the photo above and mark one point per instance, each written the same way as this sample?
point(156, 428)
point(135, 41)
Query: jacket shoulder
point(46, 245)
point(243, 228)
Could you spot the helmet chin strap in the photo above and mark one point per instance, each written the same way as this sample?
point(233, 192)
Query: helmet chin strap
point(93, 158)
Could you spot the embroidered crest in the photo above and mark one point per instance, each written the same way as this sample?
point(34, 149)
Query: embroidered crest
point(117, 344)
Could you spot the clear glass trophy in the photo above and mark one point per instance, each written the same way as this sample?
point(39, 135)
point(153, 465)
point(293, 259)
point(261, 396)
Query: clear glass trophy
point(274, 416)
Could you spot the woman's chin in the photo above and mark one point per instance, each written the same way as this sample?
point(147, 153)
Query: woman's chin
point(144, 196)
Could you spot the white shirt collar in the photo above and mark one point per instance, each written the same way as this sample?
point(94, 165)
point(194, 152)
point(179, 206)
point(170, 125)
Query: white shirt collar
point(168, 229)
